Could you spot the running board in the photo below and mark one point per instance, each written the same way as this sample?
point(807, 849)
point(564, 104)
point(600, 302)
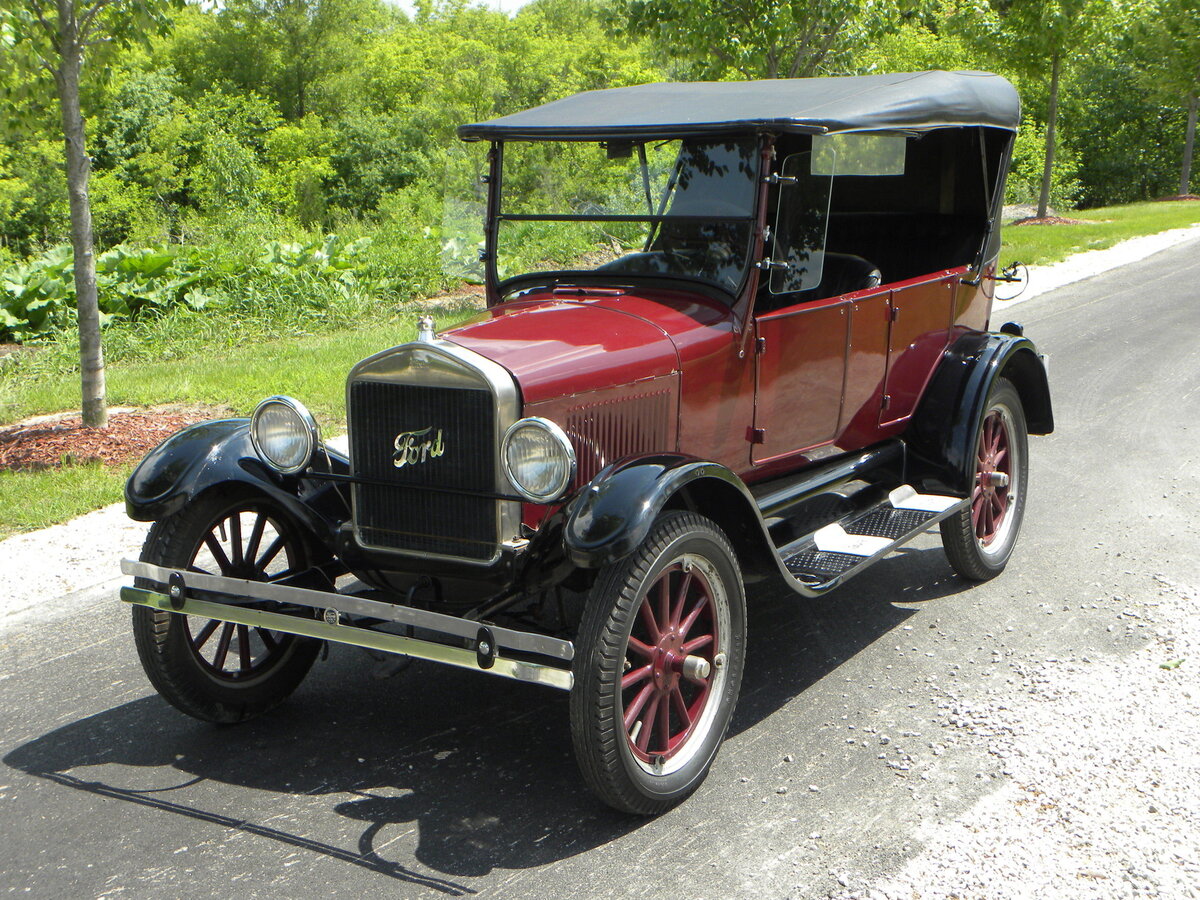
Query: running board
point(829, 556)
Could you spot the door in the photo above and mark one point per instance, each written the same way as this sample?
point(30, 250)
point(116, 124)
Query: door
point(800, 367)
point(919, 332)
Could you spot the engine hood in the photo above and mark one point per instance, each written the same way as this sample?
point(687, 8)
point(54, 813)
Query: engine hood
point(556, 347)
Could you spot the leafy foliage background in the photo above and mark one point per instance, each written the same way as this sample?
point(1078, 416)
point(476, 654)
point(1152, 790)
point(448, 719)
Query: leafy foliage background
point(280, 162)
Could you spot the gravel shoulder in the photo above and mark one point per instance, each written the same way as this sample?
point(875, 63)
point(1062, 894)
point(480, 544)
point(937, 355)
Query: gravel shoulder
point(1101, 758)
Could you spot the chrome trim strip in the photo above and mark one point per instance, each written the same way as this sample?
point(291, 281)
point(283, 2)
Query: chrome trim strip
point(508, 409)
point(525, 641)
point(517, 670)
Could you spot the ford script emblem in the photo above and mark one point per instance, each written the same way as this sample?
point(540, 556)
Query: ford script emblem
point(413, 447)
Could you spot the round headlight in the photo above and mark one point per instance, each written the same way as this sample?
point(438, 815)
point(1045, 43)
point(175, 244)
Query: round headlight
point(539, 459)
point(284, 434)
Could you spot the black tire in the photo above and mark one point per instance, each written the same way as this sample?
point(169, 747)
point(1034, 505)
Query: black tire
point(247, 670)
point(648, 768)
point(980, 539)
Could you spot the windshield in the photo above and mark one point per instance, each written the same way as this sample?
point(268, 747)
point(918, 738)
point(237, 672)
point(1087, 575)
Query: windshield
point(680, 209)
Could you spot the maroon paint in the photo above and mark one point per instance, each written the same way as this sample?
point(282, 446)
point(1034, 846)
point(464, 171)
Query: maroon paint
point(556, 347)
point(801, 366)
point(921, 313)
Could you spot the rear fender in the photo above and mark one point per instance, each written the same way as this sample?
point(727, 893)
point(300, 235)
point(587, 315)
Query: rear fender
point(612, 515)
point(219, 454)
point(944, 431)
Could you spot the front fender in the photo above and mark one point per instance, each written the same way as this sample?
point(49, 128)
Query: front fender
point(209, 454)
point(944, 431)
point(612, 515)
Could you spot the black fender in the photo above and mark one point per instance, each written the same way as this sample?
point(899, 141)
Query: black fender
point(611, 516)
point(944, 431)
point(219, 453)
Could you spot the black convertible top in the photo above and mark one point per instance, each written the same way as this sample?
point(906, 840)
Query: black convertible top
point(903, 101)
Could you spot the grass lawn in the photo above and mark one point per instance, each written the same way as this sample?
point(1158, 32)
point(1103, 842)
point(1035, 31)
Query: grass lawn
point(313, 369)
point(1037, 245)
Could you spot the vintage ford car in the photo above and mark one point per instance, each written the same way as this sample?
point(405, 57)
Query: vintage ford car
point(735, 333)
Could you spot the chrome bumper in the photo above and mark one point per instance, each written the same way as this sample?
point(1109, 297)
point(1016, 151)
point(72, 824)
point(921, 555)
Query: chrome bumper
point(483, 646)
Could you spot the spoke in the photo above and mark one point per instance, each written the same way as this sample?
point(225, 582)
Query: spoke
point(681, 707)
point(256, 533)
point(647, 615)
point(664, 726)
point(223, 647)
point(686, 625)
point(205, 633)
point(697, 643)
point(664, 601)
point(235, 537)
point(631, 713)
point(280, 576)
point(635, 676)
point(648, 720)
point(214, 547)
point(999, 457)
point(643, 650)
point(267, 638)
point(243, 634)
point(269, 554)
point(198, 570)
point(681, 599)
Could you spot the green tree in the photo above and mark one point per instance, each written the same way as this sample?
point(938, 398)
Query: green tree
point(1172, 34)
point(44, 39)
point(766, 38)
point(1036, 34)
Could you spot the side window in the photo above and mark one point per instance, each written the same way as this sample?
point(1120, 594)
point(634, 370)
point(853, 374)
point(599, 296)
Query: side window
point(800, 223)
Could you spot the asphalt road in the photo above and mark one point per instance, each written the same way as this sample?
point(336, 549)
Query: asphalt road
point(439, 783)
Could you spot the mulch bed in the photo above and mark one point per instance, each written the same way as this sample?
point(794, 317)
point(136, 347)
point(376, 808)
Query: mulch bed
point(127, 438)
point(1049, 220)
point(1178, 197)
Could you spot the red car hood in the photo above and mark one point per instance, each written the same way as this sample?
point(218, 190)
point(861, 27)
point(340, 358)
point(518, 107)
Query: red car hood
point(559, 347)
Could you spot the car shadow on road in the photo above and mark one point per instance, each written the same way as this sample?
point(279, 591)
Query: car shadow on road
point(482, 767)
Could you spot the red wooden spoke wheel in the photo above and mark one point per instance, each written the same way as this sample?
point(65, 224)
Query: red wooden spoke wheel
point(980, 538)
point(658, 665)
point(669, 663)
point(989, 504)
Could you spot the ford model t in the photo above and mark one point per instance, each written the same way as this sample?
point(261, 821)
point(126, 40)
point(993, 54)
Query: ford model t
point(735, 333)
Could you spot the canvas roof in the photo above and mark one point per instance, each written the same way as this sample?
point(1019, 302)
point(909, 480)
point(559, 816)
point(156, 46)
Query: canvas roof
point(904, 101)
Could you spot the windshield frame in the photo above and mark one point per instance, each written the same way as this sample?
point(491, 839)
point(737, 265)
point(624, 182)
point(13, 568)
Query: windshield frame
point(501, 289)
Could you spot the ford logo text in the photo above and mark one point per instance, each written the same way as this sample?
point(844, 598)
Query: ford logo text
point(413, 447)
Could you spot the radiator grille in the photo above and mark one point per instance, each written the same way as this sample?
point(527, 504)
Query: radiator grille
point(397, 515)
point(613, 429)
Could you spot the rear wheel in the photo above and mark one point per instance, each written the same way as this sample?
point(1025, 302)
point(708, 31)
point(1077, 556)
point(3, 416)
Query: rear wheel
point(222, 671)
point(659, 666)
point(980, 539)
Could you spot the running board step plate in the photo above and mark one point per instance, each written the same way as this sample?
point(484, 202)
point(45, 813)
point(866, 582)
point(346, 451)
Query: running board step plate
point(823, 560)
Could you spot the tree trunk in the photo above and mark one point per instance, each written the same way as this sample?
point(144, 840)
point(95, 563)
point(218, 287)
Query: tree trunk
point(1051, 122)
point(1189, 142)
point(91, 352)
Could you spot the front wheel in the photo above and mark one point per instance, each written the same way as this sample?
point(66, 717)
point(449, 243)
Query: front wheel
point(980, 539)
point(221, 671)
point(659, 666)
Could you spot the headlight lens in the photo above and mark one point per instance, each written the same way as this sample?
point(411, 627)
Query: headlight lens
point(284, 434)
point(539, 459)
